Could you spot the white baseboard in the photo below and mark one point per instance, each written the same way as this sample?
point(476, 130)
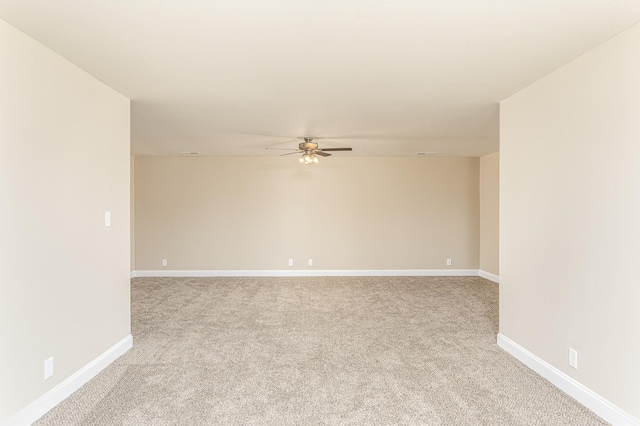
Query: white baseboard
point(310, 273)
point(489, 276)
point(42, 405)
point(568, 385)
point(133, 274)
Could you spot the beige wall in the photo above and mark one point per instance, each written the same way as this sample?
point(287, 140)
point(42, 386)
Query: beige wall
point(569, 219)
point(132, 231)
point(64, 286)
point(212, 213)
point(489, 212)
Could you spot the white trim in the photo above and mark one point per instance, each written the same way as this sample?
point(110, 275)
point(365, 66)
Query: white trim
point(489, 276)
point(568, 385)
point(42, 405)
point(311, 273)
point(133, 274)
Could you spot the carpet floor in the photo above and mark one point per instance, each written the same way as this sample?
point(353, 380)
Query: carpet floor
point(317, 351)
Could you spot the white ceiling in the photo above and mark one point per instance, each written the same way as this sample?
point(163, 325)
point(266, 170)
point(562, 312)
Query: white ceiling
point(387, 77)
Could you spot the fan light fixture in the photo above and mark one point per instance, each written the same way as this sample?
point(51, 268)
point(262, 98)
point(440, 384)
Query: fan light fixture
point(308, 159)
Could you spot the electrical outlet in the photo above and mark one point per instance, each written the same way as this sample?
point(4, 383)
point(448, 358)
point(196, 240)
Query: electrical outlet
point(573, 358)
point(164, 262)
point(48, 368)
point(290, 262)
point(310, 262)
point(448, 262)
point(107, 219)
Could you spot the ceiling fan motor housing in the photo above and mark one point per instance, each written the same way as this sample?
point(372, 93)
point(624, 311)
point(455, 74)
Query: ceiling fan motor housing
point(307, 146)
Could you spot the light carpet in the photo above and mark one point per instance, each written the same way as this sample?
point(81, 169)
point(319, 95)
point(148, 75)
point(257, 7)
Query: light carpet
point(317, 351)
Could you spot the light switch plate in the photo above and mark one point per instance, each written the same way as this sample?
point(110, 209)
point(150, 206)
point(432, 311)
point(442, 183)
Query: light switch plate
point(48, 368)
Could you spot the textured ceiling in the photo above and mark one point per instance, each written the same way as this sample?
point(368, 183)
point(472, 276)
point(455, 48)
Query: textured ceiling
point(387, 77)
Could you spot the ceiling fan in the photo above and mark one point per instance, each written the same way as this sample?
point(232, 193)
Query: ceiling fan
point(310, 150)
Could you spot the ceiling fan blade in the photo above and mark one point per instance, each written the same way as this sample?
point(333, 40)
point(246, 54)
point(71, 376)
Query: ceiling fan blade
point(289, 153)
point(321, 153)
point(284, 149)
point(337, 149)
